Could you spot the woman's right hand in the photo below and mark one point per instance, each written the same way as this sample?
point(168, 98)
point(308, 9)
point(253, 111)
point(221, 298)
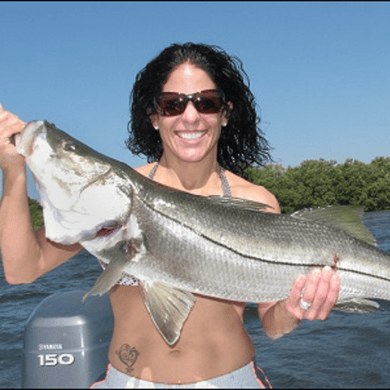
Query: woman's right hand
point(10, 124)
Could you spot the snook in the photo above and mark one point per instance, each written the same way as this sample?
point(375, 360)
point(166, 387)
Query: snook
point(178, 244)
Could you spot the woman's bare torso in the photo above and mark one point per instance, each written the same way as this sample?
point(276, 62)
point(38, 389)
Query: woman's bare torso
point(213, 341)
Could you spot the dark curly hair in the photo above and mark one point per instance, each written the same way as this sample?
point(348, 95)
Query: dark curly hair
point(241, 143)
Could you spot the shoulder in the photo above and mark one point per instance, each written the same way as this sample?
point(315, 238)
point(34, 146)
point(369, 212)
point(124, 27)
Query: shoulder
point(244, 189)
point(145, 169)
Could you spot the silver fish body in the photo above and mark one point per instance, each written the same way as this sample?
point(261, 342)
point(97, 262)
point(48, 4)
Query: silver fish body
point(178, 244)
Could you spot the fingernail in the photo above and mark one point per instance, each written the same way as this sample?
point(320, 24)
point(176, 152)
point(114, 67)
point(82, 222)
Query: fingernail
point(327, 269)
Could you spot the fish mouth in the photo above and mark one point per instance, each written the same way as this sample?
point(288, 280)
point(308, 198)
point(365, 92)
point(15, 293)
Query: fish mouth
point(25, 140)
point(107, 230)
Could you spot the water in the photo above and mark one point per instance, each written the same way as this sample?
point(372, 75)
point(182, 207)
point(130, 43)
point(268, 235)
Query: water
point(347, 350)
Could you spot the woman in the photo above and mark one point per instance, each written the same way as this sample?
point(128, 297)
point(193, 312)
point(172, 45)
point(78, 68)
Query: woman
point(194, 115)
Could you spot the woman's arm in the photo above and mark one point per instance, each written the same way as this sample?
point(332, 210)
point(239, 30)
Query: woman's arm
point(26, 254)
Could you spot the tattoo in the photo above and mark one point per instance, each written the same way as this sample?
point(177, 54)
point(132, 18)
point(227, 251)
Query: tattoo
point(128, 356)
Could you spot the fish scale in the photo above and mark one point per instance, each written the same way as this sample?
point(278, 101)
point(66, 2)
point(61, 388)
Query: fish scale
point(199, 271)
point(178, 244)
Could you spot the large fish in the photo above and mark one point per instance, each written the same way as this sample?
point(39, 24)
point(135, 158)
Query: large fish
point(178, 244)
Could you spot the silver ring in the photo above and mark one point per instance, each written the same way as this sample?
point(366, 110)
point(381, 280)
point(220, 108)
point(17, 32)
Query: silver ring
point(304, 305)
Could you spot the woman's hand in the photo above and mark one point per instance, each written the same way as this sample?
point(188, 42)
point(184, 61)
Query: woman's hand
point(320, 292)
point(10, 124)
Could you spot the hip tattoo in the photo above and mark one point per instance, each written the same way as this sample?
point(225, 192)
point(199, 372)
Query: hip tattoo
point(128, 356)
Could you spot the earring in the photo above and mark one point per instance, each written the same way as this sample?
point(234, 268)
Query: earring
point(224, 124)
point(156, 128)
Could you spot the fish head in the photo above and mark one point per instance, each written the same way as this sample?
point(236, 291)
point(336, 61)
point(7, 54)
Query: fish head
point(82, 192)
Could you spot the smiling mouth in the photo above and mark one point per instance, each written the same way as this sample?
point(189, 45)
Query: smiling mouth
point(191, 135)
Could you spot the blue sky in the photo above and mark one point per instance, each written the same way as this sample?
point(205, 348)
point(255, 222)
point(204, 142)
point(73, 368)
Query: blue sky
point(320, 71)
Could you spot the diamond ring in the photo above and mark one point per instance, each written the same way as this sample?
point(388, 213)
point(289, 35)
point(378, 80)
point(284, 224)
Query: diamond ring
point(304, 305)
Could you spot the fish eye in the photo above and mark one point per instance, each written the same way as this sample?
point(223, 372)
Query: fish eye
point(69, 146)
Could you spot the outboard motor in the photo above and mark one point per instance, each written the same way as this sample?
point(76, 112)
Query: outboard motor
point(66, 341)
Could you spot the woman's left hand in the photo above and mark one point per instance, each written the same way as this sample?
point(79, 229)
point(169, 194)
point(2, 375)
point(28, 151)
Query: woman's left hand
point(319, 291)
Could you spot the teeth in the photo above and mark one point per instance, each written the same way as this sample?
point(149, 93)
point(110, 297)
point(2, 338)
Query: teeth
point(192, 135)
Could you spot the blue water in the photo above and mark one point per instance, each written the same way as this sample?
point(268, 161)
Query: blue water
point(347, 350)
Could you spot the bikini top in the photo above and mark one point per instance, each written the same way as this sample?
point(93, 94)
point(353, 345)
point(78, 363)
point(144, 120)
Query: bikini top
point(128, 280)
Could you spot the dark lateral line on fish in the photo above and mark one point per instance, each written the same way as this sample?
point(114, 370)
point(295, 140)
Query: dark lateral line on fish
point(231, 249)
point(227, 247)
point(364, 274)
point(269, 261)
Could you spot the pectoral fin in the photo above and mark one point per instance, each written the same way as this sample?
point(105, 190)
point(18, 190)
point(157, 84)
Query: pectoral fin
point(168, 307)
point(120, 257)
point(357, 305)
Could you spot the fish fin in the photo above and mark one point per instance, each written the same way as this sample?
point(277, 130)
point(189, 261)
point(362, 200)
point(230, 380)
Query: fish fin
point(346, 218)
point(168, 307)
point(241, 203)
point(357, 305)
point(120, 259)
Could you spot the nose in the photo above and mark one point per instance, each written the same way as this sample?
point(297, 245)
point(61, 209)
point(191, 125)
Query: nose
point(190, 114)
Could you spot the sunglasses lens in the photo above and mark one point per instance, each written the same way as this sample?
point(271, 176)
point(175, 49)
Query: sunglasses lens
point(206, 102)
point(209, 102)
point(171, 105)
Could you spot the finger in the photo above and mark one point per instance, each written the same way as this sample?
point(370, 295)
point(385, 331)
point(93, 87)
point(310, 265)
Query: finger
point(320, 294)
point(297, 290)
point(292, 302)
point(7, 115)
point(6, 118)
point(3, 115)
point(311, 286)
point(331, 300)
point(10, 124)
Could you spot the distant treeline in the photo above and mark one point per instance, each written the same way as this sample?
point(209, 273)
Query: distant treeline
point(317, 183)
point(36, 213)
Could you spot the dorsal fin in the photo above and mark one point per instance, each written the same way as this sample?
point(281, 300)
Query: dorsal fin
point(347, 218)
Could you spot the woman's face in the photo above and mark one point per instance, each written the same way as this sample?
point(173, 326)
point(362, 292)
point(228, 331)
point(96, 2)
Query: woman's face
point(191, 136)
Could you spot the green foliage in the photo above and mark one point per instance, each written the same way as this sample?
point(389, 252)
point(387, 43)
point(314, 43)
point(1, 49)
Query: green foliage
point(36, 213)
point(317, 183)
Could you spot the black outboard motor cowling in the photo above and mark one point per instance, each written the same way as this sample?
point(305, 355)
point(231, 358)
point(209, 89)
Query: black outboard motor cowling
point(66, 341)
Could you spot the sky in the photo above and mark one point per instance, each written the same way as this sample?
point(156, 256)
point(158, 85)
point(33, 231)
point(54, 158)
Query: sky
point(320, 71)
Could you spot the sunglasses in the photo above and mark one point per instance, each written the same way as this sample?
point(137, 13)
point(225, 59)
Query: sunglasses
point(209, 101)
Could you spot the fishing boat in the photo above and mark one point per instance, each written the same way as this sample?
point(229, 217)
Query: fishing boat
point(66, 341)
